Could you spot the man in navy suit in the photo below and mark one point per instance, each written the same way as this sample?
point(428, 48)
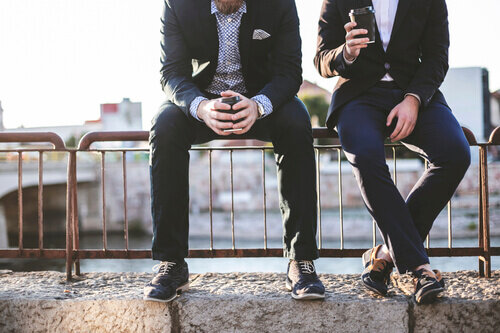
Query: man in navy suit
point(390, 89)
point(226, 48)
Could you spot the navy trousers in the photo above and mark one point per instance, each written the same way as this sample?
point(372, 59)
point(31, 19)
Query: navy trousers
point(437, 137)
point(171, 137)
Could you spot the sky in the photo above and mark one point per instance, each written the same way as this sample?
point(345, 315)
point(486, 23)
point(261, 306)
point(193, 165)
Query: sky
point(61, 59)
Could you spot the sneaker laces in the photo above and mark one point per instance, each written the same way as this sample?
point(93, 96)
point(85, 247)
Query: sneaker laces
point(306, 267)
point(164, 267)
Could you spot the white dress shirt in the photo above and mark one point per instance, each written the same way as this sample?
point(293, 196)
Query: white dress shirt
point(385, 13)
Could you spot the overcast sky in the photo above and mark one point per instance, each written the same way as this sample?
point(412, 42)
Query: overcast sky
point(60, 59)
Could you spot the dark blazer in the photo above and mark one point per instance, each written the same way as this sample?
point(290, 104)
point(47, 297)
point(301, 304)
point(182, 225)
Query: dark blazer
point(190, 49)
point(417, 55)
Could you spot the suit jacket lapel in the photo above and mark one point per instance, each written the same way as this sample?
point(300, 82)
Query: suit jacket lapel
point(403, 7)
point(246, 33)
point(209, 28)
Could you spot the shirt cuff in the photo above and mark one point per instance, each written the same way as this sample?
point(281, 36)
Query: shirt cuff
point(266, 104)
point(193, 108)
point(416, 96)
point(348, 62)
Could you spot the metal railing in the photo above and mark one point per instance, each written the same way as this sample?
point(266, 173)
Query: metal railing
point(73, 253)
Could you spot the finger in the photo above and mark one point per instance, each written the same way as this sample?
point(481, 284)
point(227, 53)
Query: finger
point(356, 32)
point(404, 132)
point(241, 105)
point(216, 115)
point(240, 115)
point(218, 105)
point(349, 26)
point(222, 125)
point(391, 116)
point(398, 129)
point(243, 124)
point(357, 42)
point(229, 93)
point(218, 131)
point(244, 130)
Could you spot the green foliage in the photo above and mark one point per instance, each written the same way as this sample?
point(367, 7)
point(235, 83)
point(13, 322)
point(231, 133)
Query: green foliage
point(317, 106)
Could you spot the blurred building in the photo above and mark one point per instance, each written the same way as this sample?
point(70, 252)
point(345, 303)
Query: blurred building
point(1, 117)
point(123, 116)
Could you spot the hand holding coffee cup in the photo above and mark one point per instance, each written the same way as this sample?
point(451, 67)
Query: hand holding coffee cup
point(356, 39)
point(354, 44)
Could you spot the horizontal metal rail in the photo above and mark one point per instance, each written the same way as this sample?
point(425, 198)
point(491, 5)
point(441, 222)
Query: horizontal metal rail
point(73, 254)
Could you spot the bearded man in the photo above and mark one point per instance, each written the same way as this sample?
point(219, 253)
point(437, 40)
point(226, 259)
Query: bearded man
point(227, 48)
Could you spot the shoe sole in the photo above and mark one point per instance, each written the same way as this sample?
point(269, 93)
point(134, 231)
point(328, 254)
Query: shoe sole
point(178, 292)
point(429, 296)
point(304, 296)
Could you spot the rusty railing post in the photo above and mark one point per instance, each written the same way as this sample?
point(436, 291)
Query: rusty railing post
point(70, 213)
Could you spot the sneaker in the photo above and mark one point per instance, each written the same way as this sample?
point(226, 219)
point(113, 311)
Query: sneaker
point(377, 273)
point(427, 287)
point(439, 277)
point(302, 280)
point(172, 278)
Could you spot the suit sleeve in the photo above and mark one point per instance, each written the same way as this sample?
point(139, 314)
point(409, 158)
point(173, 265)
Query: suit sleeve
point(434, 57)
point(329, 59)
point(286, 59)
point(176, 71)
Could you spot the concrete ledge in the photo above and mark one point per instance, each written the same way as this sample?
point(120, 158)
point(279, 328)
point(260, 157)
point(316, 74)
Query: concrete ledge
point(111, 302)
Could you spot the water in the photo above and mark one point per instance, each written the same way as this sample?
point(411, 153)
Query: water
point(225, 265)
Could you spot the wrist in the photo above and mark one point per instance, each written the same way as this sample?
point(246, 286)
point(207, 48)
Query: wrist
point(200, 112)
point(412, 100)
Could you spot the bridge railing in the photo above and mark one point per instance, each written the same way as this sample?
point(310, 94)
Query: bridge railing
point(73, 253)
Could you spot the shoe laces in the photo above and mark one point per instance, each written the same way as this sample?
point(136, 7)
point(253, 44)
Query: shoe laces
point(306, 267)
point(164, 267)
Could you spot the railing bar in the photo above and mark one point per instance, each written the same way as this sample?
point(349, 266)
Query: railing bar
point(125, 210)
point(395, 174)
point(210, 208)
point(40, 200)
point(449, 225)
point(341, 207)
point(20, 196)
point(318, 190)
point(76, 229)
point(428, 238)
point(232, 198)
point(264, 194)
point(103, 188)
point(374, 233)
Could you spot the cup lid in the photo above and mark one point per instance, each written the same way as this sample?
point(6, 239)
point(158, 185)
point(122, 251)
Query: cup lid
point(361, 11)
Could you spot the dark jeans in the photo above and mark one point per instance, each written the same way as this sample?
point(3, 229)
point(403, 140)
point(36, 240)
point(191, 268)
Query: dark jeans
point(171, 137)
point(437, 137)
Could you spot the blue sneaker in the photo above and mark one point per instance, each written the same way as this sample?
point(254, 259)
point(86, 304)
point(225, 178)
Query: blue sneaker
point(171, 280)
point(302, 280)
point(377, 273)
point(427, 286)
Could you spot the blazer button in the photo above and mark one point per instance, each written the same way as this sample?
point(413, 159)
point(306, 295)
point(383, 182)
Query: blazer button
point(387, 66)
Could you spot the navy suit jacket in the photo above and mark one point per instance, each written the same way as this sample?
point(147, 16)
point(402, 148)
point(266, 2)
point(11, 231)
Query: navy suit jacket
point(190, 49)
point(416, 58)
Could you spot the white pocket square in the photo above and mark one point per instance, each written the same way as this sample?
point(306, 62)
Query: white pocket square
point(260, 34)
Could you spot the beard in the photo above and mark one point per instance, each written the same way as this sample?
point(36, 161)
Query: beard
point(228, 6)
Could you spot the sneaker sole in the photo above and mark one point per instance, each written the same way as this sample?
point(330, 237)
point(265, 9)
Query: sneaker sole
point(179, 291)
point(429, 296)
point(304, 296)
point(374, 290)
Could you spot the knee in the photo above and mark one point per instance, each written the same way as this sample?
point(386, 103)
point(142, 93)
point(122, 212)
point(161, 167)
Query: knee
point(456, 158)
point(168, 124)
point(295, 119)
point(367, 157)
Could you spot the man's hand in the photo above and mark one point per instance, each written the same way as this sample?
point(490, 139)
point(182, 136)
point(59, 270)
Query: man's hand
point(208, 112)
point(407, 113)
point(248, 112)
point(354, 45)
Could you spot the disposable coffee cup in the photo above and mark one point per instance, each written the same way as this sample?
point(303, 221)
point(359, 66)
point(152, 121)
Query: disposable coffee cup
point(365, 19)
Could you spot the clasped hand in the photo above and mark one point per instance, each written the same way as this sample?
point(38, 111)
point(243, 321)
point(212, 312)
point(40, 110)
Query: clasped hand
point(211, 112)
